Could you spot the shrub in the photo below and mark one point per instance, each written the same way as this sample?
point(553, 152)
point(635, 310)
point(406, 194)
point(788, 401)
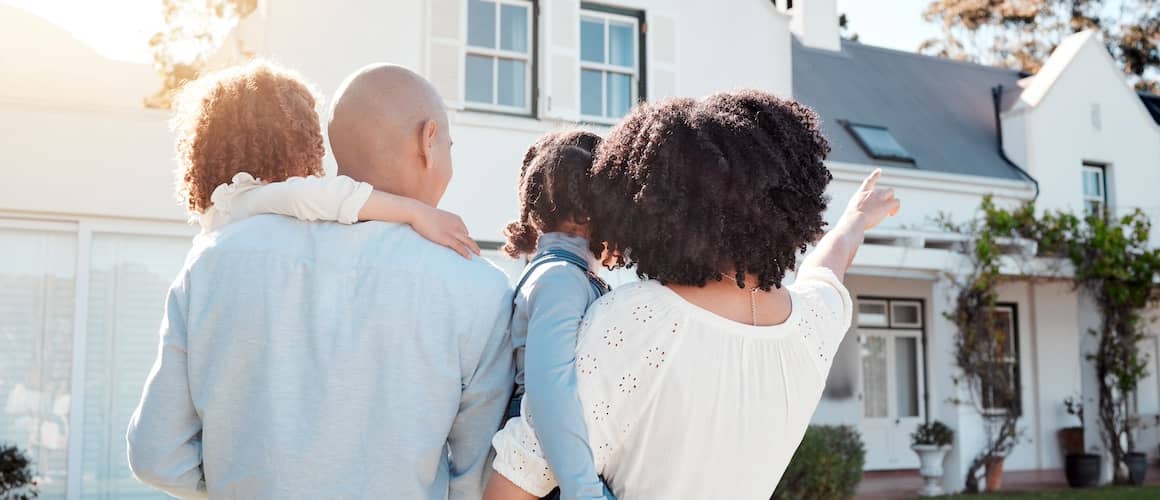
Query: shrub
point(828, 464)
point(935, 433)
point(16, 477)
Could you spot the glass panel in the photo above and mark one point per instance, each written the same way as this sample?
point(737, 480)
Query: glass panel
point(1003, 321)
point(128, 283)
point(592, 40)
point(874, 376)
point(479, 78)
point(512, 84)
point(1089, 183)
point(906, 375)
point(591, 93)
point(37, 285)
point(880, 142)
point(619, 95)
point(513, 28)
point(872, 313)
point(905, 314)
point(481, 24)
point(621, 44)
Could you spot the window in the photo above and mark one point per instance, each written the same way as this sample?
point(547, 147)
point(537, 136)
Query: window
point(878, 142)
point(995, 400)
point(498, 66)
point(1095, 188)
point(611, 48)
point(889, 313)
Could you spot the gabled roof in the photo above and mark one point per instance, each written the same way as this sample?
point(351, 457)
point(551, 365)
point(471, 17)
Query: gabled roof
point(941, 111)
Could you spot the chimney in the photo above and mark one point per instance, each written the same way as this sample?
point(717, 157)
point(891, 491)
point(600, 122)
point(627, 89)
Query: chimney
point(816, 23)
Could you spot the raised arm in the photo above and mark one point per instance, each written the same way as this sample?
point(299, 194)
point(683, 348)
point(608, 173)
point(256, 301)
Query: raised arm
point(164, 436)
point(556, 306)
point(866, 209)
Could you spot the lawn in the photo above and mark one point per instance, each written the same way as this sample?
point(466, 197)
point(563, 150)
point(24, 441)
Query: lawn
point(1151, 492)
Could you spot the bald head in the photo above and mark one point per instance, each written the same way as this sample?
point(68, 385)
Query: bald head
point(388, 127)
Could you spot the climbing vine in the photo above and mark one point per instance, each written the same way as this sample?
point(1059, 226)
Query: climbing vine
point(1110, 259)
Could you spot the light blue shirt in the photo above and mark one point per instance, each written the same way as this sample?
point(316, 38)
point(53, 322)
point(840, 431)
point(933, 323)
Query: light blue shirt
point(545, 325)
point(316, 360)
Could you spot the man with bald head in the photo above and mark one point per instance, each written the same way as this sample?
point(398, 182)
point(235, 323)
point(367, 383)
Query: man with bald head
point(335, 361)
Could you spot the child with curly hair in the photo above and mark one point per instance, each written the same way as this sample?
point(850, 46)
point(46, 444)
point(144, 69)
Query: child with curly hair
point(553, 293)
point(249, 142)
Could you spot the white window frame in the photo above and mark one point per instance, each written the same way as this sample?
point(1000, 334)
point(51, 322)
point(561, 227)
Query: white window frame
point(895, 304)
point(1012, 362)
point(496, 54)
point(605, 68)
point(885, 304)
point(1101, 172)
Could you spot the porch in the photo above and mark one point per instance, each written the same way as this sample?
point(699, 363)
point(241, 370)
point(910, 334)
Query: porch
point(904, 484)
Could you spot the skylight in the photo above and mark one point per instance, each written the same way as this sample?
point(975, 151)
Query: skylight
point(879, 143)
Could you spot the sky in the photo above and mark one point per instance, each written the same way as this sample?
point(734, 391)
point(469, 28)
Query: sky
point(120, 29)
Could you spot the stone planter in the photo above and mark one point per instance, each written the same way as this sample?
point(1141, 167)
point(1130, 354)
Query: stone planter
point(930, 457)
point(1137, 467)
point(994, 474)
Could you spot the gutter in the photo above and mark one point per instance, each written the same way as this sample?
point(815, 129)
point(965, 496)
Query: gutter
point(996, 96)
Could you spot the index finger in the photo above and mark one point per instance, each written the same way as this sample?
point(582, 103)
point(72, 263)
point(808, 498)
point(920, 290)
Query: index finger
point(871, 180)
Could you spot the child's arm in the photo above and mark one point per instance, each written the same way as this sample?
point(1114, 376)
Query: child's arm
point(344, 200)
point(556, 305)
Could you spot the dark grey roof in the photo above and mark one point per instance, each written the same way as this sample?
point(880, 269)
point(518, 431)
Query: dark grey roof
point(940, 110)
point(1152, 102)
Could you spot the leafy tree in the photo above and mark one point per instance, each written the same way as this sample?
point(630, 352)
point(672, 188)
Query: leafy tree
point(17, 481)
point(1022, 33)
point(193, 31)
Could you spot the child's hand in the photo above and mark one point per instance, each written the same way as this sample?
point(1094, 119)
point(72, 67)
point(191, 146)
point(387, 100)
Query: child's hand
point(444, 228)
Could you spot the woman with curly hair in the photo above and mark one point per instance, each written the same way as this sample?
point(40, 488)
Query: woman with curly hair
point(249, 142)
point(700, 381)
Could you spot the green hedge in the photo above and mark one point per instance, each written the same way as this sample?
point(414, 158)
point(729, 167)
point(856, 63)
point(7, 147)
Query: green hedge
point(828, 464)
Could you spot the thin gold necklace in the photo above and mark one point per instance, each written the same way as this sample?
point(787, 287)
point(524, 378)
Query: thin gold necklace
point(752, 297)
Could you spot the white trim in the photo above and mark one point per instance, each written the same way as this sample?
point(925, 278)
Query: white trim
point(607, 18)
point(936, 181)
point(38, 225)
point(76, 413)
point(906, 303)
point(97, 223)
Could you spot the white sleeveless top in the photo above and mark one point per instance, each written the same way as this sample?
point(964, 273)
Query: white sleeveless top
point(681, 403)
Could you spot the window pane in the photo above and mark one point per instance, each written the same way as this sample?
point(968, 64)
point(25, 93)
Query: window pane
point(37, 283)
point(479, 79)
point(622, 44)
point(880, 142)
point(905, 314)
point(872, 313)
point(1003, 321)
point(512, 85)
point(1089, 184)
point(591, 93)
point(480, 24)
point(619, 95)
point(592, 40)
point(127, 285)
point(513, 28)
point(874, 376)
point(906, 375)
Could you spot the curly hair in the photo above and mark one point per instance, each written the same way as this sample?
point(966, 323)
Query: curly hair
point(257, 118)
point(553, 188)
point(685, 190)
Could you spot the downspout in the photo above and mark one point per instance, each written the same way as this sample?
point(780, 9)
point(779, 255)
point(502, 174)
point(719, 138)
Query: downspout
point(996, 96)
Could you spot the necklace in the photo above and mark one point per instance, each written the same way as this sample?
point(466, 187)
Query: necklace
point(752, 297)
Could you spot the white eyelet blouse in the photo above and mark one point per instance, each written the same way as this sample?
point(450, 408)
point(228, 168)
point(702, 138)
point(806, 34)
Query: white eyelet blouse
point(681, 403)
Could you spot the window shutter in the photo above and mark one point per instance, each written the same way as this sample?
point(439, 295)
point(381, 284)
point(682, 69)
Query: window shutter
point(446, 20)
point(662, 57)
point(560, 98)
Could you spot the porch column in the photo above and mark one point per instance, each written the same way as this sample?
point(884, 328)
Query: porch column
point(945, 393)
point(1087, 320)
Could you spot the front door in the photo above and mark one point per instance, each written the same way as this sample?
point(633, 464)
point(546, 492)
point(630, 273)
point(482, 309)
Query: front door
point(891, 385)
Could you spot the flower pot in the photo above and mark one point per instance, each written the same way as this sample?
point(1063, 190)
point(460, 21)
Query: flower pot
point(930, 458)
point(994, 474)
point(1082, 470)
point(1137, 467)
point(1071, 440)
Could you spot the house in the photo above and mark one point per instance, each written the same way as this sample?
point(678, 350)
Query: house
point(90, 234)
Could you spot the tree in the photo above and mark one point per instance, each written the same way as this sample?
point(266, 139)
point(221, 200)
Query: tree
point(193, 31)
point(844, 26)
point(1021, 34)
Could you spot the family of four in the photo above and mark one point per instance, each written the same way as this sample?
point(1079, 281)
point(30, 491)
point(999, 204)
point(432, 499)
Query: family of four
point(306, 355)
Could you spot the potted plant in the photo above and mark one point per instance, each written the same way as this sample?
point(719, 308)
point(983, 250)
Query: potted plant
point(931, 441)
point(1082, 469)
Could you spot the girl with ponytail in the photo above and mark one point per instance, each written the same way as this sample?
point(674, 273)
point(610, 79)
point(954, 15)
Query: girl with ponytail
point(553, 293)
